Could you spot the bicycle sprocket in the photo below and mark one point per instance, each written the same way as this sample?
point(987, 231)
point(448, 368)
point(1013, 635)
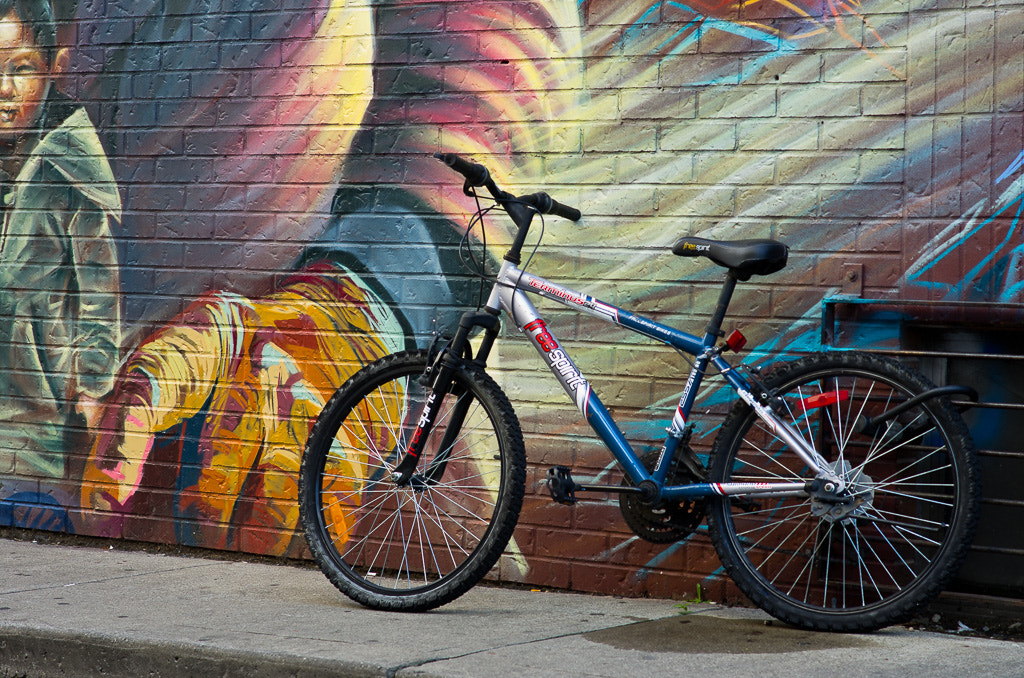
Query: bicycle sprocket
point(663, 522)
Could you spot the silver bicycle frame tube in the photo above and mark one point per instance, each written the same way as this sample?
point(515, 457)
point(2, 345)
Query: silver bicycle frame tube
point(509, 295)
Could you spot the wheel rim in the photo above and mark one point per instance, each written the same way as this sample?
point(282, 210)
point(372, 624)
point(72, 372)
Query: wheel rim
point(847, 558)
point(407, 540)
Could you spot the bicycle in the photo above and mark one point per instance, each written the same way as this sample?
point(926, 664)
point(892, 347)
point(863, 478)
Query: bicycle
point(841, 491)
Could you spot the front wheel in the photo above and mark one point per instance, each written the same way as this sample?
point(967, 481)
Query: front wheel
point(423, 543)
point(892, 542)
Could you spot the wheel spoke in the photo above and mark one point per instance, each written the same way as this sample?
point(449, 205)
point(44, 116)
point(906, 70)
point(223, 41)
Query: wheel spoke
point(417, 545)
point(894, 534)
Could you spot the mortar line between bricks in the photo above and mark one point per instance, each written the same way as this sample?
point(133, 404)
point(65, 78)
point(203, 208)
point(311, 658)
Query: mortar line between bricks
point(393, 671)
point(109, 579)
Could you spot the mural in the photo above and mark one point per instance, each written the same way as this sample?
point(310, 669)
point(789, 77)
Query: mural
point(249, 374)
point(59, 292)
point(213, 214)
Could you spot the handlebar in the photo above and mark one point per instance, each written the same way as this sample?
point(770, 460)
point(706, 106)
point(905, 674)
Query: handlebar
point(478, 175)
point(545, 204)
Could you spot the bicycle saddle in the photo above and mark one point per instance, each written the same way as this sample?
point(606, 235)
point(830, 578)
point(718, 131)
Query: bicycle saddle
point(743, 258)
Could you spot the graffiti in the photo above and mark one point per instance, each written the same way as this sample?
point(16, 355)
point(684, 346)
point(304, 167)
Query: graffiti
point(242, 210)
point(254, 372)
point(58, 268)
point(994, 272)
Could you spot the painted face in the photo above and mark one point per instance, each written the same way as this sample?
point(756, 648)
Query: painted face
point(24, 77)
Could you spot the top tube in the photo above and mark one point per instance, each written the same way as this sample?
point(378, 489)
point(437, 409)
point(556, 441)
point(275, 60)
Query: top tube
point(523, 280)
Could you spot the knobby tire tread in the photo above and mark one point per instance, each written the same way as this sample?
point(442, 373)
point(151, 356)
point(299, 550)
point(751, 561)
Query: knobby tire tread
point(509, 503)
point(944, 567)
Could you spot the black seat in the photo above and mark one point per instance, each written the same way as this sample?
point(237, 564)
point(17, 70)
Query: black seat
point(743, 258)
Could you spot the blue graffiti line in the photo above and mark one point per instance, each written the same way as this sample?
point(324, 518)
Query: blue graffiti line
point(715, 575)
point(1014, 166)
point(692, 28)
point(704, 23)
point(690, 31)
point(1013, 292)
point(992, 263)
point(34, 511)
point(647, 18)
point(657, 561)
point(748, 32)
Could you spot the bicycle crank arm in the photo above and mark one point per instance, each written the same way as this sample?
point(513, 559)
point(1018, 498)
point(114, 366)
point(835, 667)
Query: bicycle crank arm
point(563, 488)
point(620, 489)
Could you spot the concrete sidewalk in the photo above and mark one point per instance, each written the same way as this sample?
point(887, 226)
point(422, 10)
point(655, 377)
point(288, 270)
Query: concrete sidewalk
point(73, 611)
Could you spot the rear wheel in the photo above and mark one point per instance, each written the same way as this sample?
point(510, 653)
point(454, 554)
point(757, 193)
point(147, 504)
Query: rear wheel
point(422, 544)
point(875, 554)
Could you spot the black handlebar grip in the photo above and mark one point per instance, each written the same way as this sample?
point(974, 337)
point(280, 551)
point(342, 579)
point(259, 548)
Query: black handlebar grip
point(476, 175)
point(545, 204)
point(564, 211)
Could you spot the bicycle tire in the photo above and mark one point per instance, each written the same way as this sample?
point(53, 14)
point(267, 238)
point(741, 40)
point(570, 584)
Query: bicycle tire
point(419, 546)
point(874, 562)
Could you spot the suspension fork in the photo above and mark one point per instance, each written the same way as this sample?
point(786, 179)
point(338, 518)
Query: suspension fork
point(441, 376)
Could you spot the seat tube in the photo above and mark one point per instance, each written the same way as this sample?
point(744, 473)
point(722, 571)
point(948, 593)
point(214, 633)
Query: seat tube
point(689, 395)
point(714, 329)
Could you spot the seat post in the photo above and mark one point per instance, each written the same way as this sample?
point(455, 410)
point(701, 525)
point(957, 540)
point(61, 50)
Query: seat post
point(714, 328)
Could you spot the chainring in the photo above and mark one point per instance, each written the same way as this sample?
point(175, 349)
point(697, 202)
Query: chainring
point(664, 522)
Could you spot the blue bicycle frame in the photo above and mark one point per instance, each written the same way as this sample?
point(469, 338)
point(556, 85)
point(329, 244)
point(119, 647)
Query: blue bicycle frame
point(508, 294)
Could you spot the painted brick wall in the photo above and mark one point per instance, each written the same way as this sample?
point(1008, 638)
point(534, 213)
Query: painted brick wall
point(281, 223)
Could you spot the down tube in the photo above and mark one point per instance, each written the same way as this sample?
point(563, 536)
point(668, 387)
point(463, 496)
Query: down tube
point(525, 315)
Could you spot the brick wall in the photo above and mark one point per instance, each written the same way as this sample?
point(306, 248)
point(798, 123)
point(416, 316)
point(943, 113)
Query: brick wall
point(253, 147)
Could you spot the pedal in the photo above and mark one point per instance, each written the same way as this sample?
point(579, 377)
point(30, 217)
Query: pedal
point(561, 485)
